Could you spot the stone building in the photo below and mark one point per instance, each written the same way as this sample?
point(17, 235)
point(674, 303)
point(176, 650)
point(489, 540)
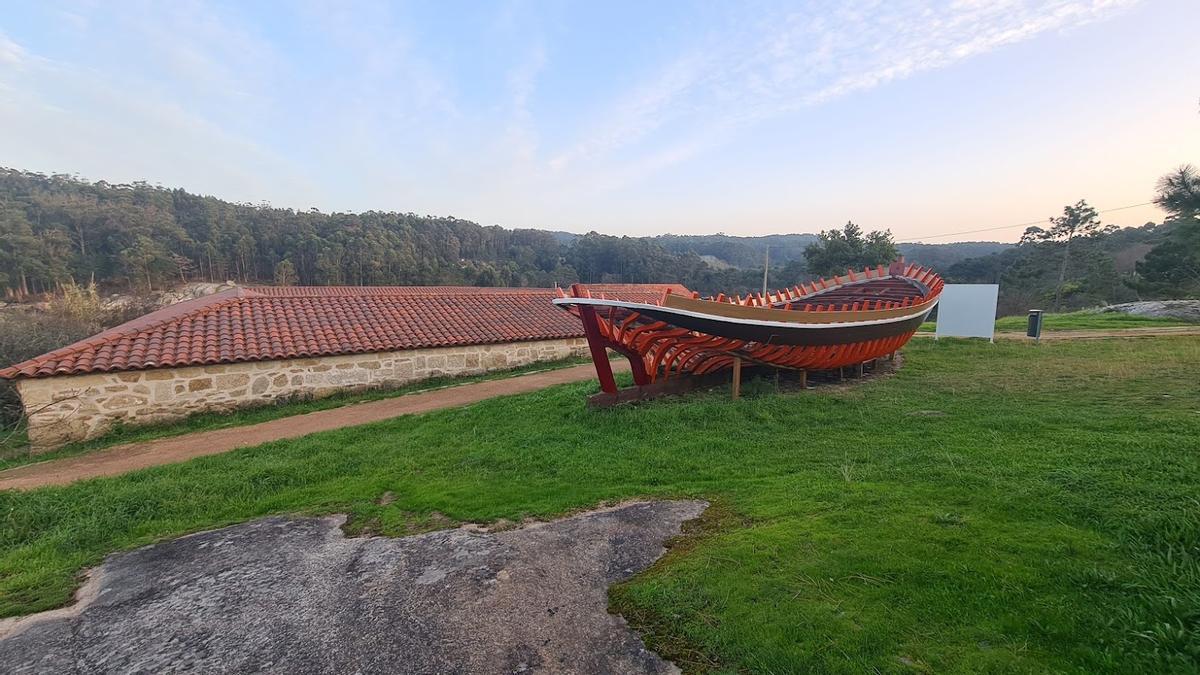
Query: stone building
point(247, 346)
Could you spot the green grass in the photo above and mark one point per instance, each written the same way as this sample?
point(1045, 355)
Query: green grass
point(1081, 320)
point(14, 445)
point(1008, 507)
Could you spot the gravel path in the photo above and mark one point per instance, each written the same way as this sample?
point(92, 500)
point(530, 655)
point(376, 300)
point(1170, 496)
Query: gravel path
point(132, 456)
point(293, 595)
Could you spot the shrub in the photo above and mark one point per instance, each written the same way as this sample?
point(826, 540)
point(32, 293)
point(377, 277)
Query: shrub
point(26, 331)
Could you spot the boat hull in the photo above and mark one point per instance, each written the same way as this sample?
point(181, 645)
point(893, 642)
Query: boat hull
point(823, 326)
point(818, 334)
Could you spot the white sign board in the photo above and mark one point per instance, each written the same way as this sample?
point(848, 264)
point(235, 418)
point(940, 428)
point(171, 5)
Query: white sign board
point(967, 310)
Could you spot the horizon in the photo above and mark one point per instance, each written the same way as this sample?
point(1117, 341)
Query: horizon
point(765, 235)
point(697, 118)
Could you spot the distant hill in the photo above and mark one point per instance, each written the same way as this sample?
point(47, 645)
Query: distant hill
point(943, 256)
point(748, 252)
point(1102, 270)
point(140, 237)
point(724, 250)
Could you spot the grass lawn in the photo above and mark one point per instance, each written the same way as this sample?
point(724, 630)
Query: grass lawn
point(1081, 320)
point(1007, 507)
point(14, 445)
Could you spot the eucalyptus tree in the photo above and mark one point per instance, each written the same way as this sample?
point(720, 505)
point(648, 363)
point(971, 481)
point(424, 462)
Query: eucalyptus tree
point(1077, 221)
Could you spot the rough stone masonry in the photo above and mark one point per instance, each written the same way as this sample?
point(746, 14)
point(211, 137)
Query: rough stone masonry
point(68, 408)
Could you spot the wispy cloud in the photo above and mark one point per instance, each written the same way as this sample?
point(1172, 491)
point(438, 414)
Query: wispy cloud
point(525, 113)
point(784, 62)
point(643, 110)
point(520, 136)
point(11, 53)
point(170, 122)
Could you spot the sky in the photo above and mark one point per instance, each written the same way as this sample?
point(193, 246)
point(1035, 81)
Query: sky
point(931, 119)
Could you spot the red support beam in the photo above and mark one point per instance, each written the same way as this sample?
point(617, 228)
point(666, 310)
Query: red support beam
point(591, 329)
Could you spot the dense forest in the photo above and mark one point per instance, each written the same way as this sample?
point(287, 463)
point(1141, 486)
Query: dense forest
point(59, 229)
point(1079, 262)
point(55, 229)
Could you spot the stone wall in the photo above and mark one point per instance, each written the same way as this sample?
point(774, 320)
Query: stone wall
point(78, 407)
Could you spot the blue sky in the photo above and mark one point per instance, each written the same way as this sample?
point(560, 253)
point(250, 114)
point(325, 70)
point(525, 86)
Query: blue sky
point(627, 118)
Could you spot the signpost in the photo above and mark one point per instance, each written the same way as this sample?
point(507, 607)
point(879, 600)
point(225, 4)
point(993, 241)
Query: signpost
point(967, 310)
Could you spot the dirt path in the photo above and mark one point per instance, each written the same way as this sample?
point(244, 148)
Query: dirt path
point(1152, 331)
point(123, 458)
point(129, 457)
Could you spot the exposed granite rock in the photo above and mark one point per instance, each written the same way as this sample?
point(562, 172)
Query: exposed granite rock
point(295, 595)
point(1181, 310)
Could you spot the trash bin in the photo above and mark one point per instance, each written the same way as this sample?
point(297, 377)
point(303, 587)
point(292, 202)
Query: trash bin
point(1034, 330)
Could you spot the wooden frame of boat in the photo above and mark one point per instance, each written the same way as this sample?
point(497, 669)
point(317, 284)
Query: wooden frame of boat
point(819, 326)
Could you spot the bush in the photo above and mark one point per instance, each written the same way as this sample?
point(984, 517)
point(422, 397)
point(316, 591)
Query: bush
point(26, 331)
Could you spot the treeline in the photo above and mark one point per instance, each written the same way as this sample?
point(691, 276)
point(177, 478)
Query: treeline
point(1099, 271)
point(55, 229)
point(1078, 262)
point(59, 229)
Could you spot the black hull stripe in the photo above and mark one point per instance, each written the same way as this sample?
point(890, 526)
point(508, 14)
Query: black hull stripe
point(782, 335)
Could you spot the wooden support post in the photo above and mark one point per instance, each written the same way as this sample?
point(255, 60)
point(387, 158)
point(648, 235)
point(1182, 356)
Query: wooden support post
point(804, 379)
point(596, 343)
point(737, 377)
point(892, 356)
point(776, 380)
point(841, 374)
point(860, 369)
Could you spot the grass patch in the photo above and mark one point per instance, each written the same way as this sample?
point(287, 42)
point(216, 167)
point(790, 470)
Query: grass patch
point(14, 447)
point(1085, 320)
point(1045, 520)
point(1081, 320)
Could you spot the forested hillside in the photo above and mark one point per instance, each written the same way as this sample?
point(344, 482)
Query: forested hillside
point(55, 229)
point(58, 229)
point(749, 252)
point(1078, 261)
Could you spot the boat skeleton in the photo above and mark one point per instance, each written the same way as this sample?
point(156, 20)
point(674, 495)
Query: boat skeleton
point(820, 325)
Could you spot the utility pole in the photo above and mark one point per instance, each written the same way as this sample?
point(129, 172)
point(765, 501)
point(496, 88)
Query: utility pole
point(766, 266)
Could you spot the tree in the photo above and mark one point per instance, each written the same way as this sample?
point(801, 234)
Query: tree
point(185, 266)
point(19, 251)
point(1078, 220)
point(145, 258)
point(1172, 268)
point(1179, 193)
point(836, 251)
point(285, 273)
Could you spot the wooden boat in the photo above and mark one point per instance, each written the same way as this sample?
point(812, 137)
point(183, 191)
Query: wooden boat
point(814, 326)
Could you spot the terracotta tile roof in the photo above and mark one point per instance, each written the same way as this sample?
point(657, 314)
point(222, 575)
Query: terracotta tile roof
point(263, 323)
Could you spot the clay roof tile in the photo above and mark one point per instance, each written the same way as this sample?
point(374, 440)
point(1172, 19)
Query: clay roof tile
point(247, 324)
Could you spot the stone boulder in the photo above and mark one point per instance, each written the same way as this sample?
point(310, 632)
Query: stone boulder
point(1180, 310)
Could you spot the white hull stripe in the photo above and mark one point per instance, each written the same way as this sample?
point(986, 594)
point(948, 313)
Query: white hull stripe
point(643, 307)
